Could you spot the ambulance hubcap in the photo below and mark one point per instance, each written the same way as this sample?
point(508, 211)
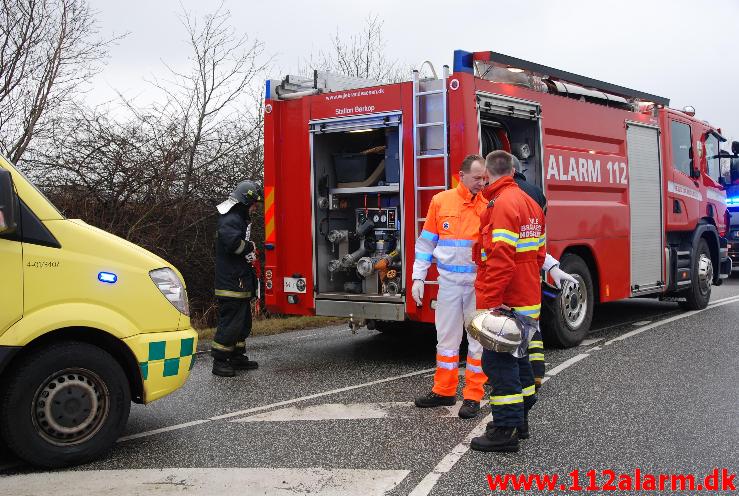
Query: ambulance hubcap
point(705, 273)
point(574, 302)
point(70, 406)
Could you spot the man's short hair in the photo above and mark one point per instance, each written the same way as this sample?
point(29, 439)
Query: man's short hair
point(468, 160)
point(500, 163)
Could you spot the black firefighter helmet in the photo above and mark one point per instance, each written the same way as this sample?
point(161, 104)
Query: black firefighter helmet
point(246, 193)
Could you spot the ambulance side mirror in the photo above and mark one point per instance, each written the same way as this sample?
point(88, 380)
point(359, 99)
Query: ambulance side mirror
point(8, 202)
point(735, 147)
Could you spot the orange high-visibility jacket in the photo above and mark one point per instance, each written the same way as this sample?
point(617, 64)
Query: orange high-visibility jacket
point(451, 227)
point(512, 248)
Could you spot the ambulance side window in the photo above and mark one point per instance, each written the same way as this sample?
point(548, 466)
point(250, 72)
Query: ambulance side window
point(681, 141)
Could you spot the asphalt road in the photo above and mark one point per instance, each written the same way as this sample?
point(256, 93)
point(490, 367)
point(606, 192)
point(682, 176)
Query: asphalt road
point(329, 412)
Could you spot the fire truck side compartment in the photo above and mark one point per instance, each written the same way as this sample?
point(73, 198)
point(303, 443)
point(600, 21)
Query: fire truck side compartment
point(357, 215)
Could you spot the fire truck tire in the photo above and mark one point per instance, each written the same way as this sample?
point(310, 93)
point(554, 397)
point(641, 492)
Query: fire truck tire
point(699, 294)
point(566, 322)
point(64, 405)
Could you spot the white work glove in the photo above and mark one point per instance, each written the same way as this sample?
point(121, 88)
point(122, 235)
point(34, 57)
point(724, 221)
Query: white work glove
point(417, 292)
point(559, 275)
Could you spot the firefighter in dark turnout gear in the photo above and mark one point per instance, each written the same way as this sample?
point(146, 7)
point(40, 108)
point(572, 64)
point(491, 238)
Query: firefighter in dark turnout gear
point(236, 281)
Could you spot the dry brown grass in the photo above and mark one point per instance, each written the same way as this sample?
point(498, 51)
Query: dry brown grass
point(277, 325)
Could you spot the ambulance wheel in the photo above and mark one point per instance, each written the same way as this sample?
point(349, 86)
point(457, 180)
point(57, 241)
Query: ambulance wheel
point(699, 294)
point(64, 405)
point(566, 321)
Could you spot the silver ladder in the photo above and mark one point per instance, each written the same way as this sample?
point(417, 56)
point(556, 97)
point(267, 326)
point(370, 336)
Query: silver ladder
point(429, 96)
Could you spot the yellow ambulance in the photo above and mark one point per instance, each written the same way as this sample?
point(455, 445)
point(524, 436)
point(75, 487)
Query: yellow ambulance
point(88, 323)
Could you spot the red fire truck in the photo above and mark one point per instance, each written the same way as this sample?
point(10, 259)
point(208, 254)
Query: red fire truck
point(636, 202)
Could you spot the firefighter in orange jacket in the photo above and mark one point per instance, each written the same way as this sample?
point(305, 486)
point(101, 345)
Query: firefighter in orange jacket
point(451, 227)
point(512, 252)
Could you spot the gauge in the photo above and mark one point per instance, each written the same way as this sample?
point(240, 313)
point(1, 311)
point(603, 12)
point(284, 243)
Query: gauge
point(376, 218)
point(383, 218)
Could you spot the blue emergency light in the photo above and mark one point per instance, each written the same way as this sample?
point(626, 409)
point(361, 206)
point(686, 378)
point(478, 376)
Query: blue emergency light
point(107, 277)
point(732, 200)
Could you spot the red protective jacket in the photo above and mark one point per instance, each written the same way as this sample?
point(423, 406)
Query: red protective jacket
point(510, 250)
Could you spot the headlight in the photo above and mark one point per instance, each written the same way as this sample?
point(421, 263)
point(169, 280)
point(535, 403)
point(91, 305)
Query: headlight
point(172, 288)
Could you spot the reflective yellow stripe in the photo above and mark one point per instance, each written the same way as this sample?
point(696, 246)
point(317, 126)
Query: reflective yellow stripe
point(510, 399)
point(503, 239)
point(536, 357)
point(536, 344)
point(233, 294)
point(532, 311)
point(526, 248)
point(542, 240)
point(505, 231)
point(505, 236)
point(529, 391)
point(220, 347)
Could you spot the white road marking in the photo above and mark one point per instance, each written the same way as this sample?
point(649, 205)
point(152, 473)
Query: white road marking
point(241, 413)
point(723, 299)
point(722, 302)
point(567, 363)
point(588, 342)
point(642, 322)
point(353, 411)
point(423, 488)
point(595, 348)
point(447, 463)
point(427, 484)
point(207, 481)
point(331, 411)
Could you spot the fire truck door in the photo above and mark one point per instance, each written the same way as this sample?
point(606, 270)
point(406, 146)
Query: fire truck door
point(645, 199)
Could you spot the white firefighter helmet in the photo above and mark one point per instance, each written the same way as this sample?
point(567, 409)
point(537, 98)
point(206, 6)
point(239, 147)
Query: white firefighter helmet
point(495, 331)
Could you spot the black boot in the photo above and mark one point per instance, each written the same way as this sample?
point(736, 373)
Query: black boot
point(499, 439)
point(523, 429)
point(242, 362)
point(223, 368)
point(469, 409)
point(432, 400)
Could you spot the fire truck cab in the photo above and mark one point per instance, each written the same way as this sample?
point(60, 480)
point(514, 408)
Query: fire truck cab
point(636, 204)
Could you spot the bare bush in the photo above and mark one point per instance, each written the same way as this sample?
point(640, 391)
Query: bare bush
point(49, 49)
point(155, 176)
point(361, 55)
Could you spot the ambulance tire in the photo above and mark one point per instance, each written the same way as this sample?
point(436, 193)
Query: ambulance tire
point(88, 372)
point(699, 294)
point(559, 330)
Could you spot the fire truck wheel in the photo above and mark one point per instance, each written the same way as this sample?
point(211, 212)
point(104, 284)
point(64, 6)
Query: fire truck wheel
point(566, 322)
point(697, 297)
point(64, 405)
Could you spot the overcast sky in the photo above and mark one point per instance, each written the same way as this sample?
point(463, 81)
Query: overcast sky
point(684, 50)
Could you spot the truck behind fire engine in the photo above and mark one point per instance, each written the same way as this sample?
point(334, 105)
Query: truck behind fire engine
point(636, 204)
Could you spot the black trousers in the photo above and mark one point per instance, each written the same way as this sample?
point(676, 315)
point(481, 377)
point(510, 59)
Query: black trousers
point(513, 392)
point(234, 326)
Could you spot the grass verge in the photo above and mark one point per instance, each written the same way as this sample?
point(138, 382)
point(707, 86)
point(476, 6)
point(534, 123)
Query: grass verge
point(277, 325)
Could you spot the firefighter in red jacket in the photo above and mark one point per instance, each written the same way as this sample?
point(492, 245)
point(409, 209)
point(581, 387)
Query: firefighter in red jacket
point(512, 252)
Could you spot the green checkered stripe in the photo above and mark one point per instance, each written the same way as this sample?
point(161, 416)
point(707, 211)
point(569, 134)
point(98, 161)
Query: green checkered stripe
point(158, 351)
